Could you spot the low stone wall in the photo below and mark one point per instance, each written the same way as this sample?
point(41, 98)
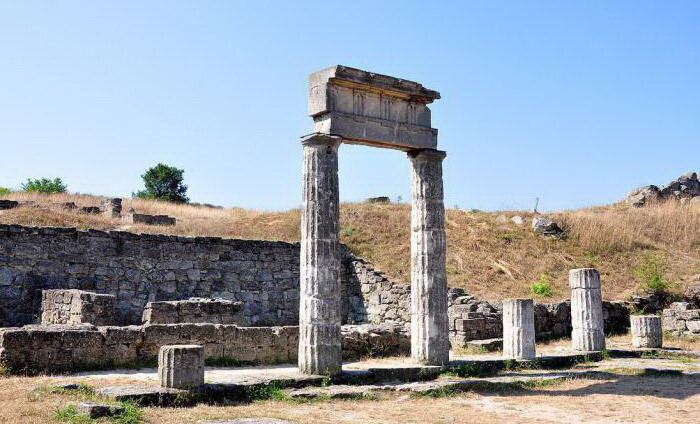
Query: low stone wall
point(56, 348)
point(474, 319)
point(77, 307)
point(681, 320)
point(194, 310)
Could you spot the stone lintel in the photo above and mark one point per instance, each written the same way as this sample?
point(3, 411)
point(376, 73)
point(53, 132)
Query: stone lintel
point(371, 109)
point(371, 81)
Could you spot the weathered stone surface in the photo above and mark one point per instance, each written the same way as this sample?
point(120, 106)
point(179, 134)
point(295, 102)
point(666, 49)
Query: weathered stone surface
point(181, 366)
point(687, 186)
point(368, 108)
point(194, 310)
point(320, 289)
point(546, 227)
point(586, 310)
point(488, 345)
point(373, 340)
point(646, 331)
point(680, 320)
point(429, 322)
point(142, 218)
point(112, 207)
point(77, 307)
point(518, 329)
point(99, 410)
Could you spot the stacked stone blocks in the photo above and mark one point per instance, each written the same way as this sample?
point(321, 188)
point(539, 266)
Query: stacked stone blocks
point(680, 320)
point(194, 310)
point(77, 307)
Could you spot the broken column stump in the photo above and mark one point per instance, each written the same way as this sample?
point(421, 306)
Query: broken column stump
point(519, 329)
point(181, 366)
point(646, 331)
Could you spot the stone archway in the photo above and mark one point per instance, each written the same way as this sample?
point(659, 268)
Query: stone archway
point(352, 106)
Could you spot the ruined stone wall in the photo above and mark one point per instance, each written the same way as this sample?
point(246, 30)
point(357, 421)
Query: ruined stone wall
point(142, 268)
point(263, 275)
point(54, 348)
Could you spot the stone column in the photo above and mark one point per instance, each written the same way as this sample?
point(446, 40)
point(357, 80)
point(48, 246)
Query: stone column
point(320, 291)
point(429, 331)
point(586, 310)
point(181, 366)
point(646, 331)
point(519, 329)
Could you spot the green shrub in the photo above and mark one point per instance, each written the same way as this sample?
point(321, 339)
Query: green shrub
point(45, 185)
point(542, 286)
point(4, 191)
point(164, 182)
point(650, 275)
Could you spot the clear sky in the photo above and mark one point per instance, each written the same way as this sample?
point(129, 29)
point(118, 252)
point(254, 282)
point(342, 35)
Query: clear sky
point(574, 102)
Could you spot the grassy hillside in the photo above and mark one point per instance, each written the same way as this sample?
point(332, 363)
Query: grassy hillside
point(487, 255)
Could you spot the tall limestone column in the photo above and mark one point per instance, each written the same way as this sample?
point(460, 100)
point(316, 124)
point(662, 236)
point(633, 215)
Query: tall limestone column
point(519, 329)
point(429, 331)
point(586, 310)
point(320, 303)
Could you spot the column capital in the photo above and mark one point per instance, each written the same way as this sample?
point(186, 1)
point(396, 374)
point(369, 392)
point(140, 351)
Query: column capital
point(321, 139)
point(427, 154)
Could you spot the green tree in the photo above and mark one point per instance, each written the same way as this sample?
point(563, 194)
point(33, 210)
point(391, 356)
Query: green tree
point(163, 182)
point(45, 185)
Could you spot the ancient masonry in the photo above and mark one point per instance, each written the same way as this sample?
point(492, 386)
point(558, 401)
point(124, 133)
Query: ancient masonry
point(586, 310)
point(519, 329)
point(682, 320)
point(181, 366)
point(646, 331)
point(357, 107)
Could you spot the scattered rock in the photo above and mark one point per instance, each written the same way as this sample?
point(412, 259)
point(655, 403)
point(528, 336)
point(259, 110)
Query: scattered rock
point(380, 199)
point(140, 218)
point(501, 218)
point(679, 306)
point(546, 227)
point(687, 186)
point(489, 345)
point(93, 210)
point(692, 295)
point(517, 220)
point(98, 410)
point(8, 204)
point(69, 206)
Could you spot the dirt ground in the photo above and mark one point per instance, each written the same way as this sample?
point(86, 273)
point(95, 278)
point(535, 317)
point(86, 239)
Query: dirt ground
point(622, 398)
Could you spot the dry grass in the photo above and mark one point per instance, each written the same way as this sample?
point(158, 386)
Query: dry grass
point(490, 258)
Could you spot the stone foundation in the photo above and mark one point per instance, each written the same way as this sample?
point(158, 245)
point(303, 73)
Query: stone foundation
point(194, 310)
point(681, 320)
point(77, 307)
point(56, 348)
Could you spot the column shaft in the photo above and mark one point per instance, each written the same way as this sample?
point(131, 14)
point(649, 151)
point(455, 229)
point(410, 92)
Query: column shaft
point(429, 331)
point(646, 331)
point(586, 310)
point(320, 294)
point(519, 329)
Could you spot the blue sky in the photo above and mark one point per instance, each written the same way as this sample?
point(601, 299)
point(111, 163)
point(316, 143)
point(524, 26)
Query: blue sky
point(572, 102)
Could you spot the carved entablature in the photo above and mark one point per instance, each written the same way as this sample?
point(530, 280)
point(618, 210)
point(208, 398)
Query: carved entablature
point(367, 108)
